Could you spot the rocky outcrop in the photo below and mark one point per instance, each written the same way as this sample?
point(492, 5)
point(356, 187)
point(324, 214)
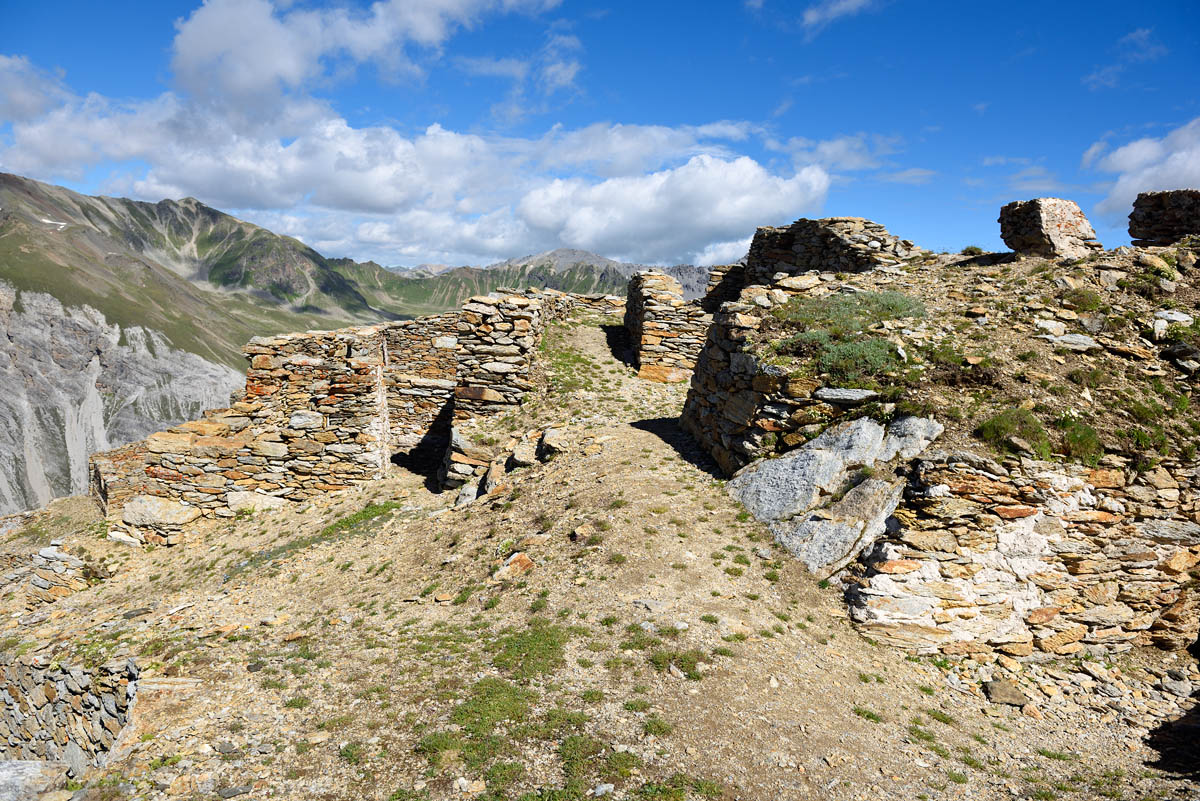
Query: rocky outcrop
point(829, 499)
point(76, 384)
point(1164, 218)
point(667, 332)
point(1049, 227)
point(68, 714)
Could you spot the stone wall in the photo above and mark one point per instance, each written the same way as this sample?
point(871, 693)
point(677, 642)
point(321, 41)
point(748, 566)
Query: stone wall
point(738, 406)
point(833, 244)
point(498, 339)
point(666, 331)
point(725, 283)
point(1036, 557)
point(325, 410)
point(67, 714)
point(419, 376)
point(1164, 218)
point(1049, 227)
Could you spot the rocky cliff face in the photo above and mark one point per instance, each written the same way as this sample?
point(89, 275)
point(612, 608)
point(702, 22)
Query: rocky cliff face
point(75, 384)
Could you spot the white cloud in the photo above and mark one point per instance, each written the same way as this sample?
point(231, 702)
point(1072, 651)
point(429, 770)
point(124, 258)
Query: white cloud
point(817, 17)
point(1092, 153)
point(672, 211)
point(243, 132)
point(1035, 179)
point(913, 175)
point(1150, 164)
point(1139, 45)
point(859, 151)
point(25, 90)
point(248, 53)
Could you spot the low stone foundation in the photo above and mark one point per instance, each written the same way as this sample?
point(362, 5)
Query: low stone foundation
point(1049, 227)
point(666, 331)
point(47, 575)
point(67, 714)
point(1164, 218)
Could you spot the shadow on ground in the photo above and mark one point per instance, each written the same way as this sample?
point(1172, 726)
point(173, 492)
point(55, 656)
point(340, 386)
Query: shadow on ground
point(425, 458)
point(668, 430)
point(619, 344)
point(1178, 741)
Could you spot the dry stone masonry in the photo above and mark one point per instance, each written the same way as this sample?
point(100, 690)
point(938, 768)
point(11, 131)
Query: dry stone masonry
point(47, 575)
point(833, 244)
point(1164, 218)
point(67, 714)
point(324, 410)
point(1049, 227)
point(667, 332)
point(1058, 559)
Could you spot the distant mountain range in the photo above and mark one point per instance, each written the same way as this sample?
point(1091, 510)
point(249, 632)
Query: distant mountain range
point(122, 317)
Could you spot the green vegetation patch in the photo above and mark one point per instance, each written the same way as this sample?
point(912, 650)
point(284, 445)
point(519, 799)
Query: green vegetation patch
point(833, 333)
point(1000, 429)
point(533, 651)
point(492, 701)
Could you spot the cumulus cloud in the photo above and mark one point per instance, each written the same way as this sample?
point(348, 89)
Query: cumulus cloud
point(1151, 164)
point(249, 53)
point(25, 90)
point(669, 211)
point(242, 130)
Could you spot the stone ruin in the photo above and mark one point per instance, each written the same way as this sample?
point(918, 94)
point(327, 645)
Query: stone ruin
point(52, 712)
point(666, 331)
point(833, 244)
point(1049, 227)
point(945, 552)
point(326, 410)
point(1164, 218)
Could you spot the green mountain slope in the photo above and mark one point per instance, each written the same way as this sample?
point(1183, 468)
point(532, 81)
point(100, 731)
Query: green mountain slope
point(204, 279)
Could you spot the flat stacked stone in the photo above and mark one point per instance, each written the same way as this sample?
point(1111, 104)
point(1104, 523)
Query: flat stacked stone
point(667, 332)
point(832, 244)
point(48, 575)
point(419, 375)
point(498, 339)
point(1049, 227)
point(725, 282)
point(58, 713)
point(1164, 218)
point(1060, 559)
point(323, 411)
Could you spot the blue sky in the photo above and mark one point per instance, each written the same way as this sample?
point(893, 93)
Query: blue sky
point(469, 131)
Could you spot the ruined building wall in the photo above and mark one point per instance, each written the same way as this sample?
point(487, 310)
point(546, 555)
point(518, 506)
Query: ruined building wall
point(666, 331)
point(738, 406)
point(833, 244)
point(325, 410)
point(498, 339)
point(1036, 557)
point(59, 713)
point(419, 376)
point(1164, 218)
